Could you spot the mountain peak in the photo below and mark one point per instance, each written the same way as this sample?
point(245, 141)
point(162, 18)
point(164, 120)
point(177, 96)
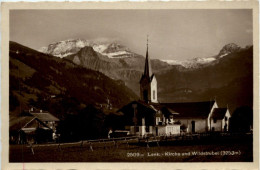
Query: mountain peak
point(87, 51)
point(72, 46)
point(229, 48)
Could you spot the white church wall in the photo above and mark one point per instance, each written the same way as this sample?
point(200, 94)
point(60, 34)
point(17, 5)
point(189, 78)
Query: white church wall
point(200, 125)
point(216, 125)
point(215, 105)
point(154, 88)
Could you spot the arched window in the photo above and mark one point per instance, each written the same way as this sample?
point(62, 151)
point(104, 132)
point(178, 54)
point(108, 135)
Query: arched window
point(154, 94)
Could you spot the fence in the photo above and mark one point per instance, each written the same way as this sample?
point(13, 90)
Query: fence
point(147, 141)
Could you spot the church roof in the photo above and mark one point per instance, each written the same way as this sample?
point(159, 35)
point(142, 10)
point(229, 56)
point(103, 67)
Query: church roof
point(191, 109)
point(147, 66)
point(219, 113)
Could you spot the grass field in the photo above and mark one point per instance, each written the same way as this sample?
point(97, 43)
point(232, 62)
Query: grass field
point(170, 151)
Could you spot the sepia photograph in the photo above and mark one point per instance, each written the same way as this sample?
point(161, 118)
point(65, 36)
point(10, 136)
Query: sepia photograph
point(131, 85)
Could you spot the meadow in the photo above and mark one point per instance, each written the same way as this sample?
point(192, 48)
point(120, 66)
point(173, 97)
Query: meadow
point(134, 151)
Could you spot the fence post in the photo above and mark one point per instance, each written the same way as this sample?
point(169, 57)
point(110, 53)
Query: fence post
point(105, 146)
point(81, 145)
point(158, 143)
point(31, 148)
point(59, 147)
point(90, 147)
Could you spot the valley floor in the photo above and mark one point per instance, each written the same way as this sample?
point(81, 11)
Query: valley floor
point(167, 151)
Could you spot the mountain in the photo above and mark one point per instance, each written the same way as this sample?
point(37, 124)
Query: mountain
point(223, 76)
point(65, 48)
point(229, 80)
point(229, 48)
point(59, 85)
point(202, 62)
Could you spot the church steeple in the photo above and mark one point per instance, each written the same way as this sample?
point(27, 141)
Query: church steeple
point(148, 83)
point(147, 67)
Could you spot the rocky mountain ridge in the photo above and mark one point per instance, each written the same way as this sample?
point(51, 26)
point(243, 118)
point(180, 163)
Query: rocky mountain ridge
point(200, 79)
point(68, 47)
point(41, 76)
point(115, 50)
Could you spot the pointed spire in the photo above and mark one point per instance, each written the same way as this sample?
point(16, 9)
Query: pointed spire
point(147, 67)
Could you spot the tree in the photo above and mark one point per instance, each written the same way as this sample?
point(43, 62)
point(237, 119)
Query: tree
point(242, 119)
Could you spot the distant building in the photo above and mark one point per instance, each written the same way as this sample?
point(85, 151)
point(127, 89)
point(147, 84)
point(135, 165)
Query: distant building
point(147, 116)
point(219, 120)
point(37, 126)
point(23, 129)
point(199, 117)
point(46, 117)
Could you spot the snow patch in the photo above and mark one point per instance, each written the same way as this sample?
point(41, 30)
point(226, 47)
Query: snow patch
point(76, 60)
point(191, 63)
point(63, 55)
point(100, 48)
point(118, 54)
point(221, 56)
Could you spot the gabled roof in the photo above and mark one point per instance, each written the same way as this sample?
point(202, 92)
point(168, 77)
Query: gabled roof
point(163, 108)
point(219, 113)
point(143, 106)
point(44, 116)
point(17, 123)
point(191, 109)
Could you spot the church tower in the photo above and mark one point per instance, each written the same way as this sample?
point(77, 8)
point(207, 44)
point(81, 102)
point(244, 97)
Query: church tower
point(148, 83)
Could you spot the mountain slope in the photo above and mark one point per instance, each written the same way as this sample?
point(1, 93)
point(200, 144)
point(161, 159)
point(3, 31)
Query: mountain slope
point(230, 79)
point(36, 77)
point(221, 76)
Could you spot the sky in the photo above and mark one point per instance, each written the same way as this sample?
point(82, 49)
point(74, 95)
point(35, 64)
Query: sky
point(176, 34)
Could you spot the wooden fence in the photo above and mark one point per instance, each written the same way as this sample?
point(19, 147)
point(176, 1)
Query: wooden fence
point(137, 141)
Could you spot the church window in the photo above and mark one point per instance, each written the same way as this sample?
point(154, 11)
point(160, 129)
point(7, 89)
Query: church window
point(137, 128)
point(147, 128)
point(225, 118)
point(154, 94)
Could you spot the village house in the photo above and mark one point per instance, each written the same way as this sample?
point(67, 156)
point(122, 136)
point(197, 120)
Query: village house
point(149, 117)
point(46, 117)
point(24, 129)
point(34, 126)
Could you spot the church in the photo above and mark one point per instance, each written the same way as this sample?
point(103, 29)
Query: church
point(149, 117)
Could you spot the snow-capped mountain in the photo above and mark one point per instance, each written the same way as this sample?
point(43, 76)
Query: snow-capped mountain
point(198, 62)
point(68, 47)
point(192, 63)
point(115, 50)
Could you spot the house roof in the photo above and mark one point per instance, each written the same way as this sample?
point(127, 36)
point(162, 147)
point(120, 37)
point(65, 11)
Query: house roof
point(219, 113)
point(139, 105)
point(44, 116)
point(191, 109)
point(17, 123)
